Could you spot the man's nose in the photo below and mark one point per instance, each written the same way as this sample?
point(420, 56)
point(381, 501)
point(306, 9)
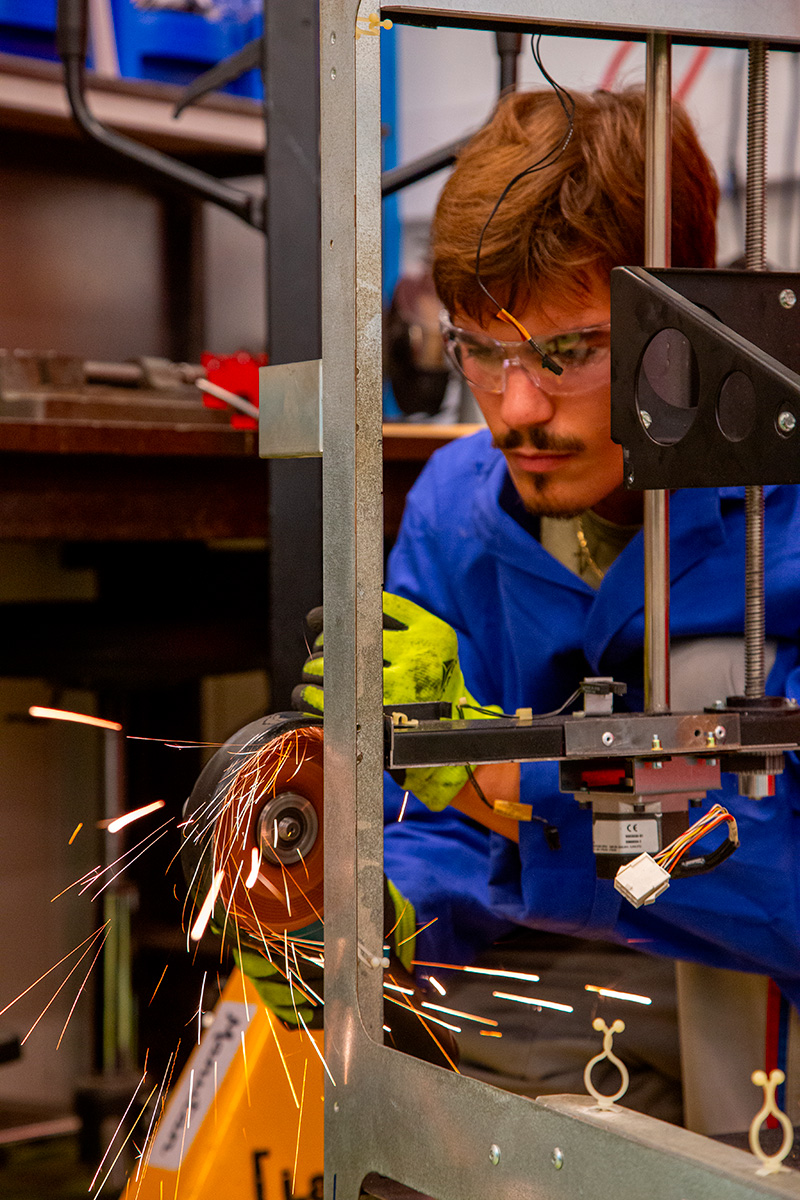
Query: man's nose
point(523, 401)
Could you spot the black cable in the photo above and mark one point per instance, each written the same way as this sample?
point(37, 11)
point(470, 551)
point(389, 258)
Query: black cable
point(552, 156)
point(489, 712)
point(551, 833)
point(686, 867)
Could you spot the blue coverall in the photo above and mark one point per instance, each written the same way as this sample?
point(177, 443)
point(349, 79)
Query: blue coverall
point(529, 630)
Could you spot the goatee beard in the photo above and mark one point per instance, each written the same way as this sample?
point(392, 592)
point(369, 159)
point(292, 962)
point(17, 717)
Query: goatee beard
point(539, 439)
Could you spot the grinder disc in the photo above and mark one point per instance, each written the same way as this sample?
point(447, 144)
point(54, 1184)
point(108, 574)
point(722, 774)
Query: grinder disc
point(260, 799)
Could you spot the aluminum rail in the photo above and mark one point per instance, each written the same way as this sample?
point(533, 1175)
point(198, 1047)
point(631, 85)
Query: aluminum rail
point(657, 252)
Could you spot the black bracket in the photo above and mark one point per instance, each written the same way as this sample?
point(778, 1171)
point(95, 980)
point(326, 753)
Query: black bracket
point(705, 377)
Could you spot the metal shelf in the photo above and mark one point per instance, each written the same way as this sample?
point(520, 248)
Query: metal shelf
point(32, 98)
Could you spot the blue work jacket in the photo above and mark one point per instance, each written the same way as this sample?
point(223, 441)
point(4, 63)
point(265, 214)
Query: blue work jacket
point(529, 630)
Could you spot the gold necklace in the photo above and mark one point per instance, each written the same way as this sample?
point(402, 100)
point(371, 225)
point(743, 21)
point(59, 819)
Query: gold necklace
point(585, 556)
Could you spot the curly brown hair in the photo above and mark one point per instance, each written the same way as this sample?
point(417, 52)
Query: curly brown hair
point(562, 228)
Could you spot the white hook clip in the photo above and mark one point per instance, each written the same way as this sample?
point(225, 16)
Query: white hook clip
point(373, 26)
point(606, 1102)
point(770, 1163)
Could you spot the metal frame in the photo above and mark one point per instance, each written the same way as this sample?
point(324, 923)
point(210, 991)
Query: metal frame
point(387, 1113)
point(722, 21)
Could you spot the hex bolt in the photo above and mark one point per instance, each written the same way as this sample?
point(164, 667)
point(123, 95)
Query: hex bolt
point(608, 738)
point(557, 1158)
point(787, 298)
point(494, 1154)
point(720, 704)
point(645, 418)
point(786, 421)
point(719, 733)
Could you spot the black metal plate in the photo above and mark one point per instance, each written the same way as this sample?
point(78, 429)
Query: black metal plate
point(743, 370)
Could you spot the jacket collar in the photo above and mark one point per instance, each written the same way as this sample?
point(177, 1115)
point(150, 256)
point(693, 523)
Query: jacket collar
point(696, 530)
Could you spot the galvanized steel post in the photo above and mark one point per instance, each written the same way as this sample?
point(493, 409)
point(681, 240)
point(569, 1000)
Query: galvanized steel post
point(658, 230)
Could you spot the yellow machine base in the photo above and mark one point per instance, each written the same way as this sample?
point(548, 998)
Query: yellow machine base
point(245, 1118)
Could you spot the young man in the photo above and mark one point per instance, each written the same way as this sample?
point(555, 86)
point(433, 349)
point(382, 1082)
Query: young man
point(523, 540)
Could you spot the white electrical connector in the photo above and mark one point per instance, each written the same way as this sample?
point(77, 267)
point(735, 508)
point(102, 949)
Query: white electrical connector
point(642, 880)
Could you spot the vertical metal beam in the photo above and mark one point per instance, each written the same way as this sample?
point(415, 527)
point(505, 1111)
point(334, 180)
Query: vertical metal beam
point(658, 230)
point(291, 88)
point(755, 260)
point(352, 530)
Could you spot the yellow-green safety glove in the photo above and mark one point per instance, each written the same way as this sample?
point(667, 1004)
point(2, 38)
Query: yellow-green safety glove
point(420, 664)
point(279, 995)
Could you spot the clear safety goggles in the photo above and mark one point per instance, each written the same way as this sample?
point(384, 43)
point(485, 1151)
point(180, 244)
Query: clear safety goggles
point(582, 354)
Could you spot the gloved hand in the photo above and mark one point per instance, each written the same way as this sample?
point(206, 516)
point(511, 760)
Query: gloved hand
point(420, 663)
point(272, 982)
point(409, 1029)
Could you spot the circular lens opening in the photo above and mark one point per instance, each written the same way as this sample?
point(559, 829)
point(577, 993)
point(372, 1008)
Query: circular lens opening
point(737, 407)
point(666, 387)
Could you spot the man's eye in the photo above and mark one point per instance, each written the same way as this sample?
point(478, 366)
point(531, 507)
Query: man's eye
point(575, 349)
point(480, 354)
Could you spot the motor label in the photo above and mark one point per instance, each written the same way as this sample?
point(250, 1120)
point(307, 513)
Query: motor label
point(622, 835)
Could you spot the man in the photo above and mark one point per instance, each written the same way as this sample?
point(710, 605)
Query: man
point(523, 540)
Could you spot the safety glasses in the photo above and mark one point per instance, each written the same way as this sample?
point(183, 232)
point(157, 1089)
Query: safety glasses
point(582, 354)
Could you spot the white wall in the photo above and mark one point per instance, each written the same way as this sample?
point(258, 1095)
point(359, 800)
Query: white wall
point(447, 81)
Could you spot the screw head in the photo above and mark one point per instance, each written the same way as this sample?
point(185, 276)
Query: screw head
point(787, 298)
point(645, 418)
point(608, 738)
point(494, 1154)
point(557, 1158)
point(719, 732)
point(787, 421)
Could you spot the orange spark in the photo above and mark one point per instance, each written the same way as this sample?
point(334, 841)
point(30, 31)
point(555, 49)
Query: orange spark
point(120, 822)
point(158, 985)
point(49, 971)
point(60, 714)
point(255, 865)
point(204, 916)
point(299, 1124)
point(283, 1060)
point(411, 936)
point(455, 1012)
point(612, 995)
point(535, 1003)
point(489, 1033)
point(403, 808)
point(78, 828)
point(246, 1072)
point(435, 982)
point(417, 962)
point(316, 1048)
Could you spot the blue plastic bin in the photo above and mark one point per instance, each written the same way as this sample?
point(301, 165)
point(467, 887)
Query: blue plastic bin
point(28, 27)
point(176, 47)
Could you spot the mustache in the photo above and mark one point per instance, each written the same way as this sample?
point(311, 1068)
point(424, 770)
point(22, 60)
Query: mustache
point(536, 438)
